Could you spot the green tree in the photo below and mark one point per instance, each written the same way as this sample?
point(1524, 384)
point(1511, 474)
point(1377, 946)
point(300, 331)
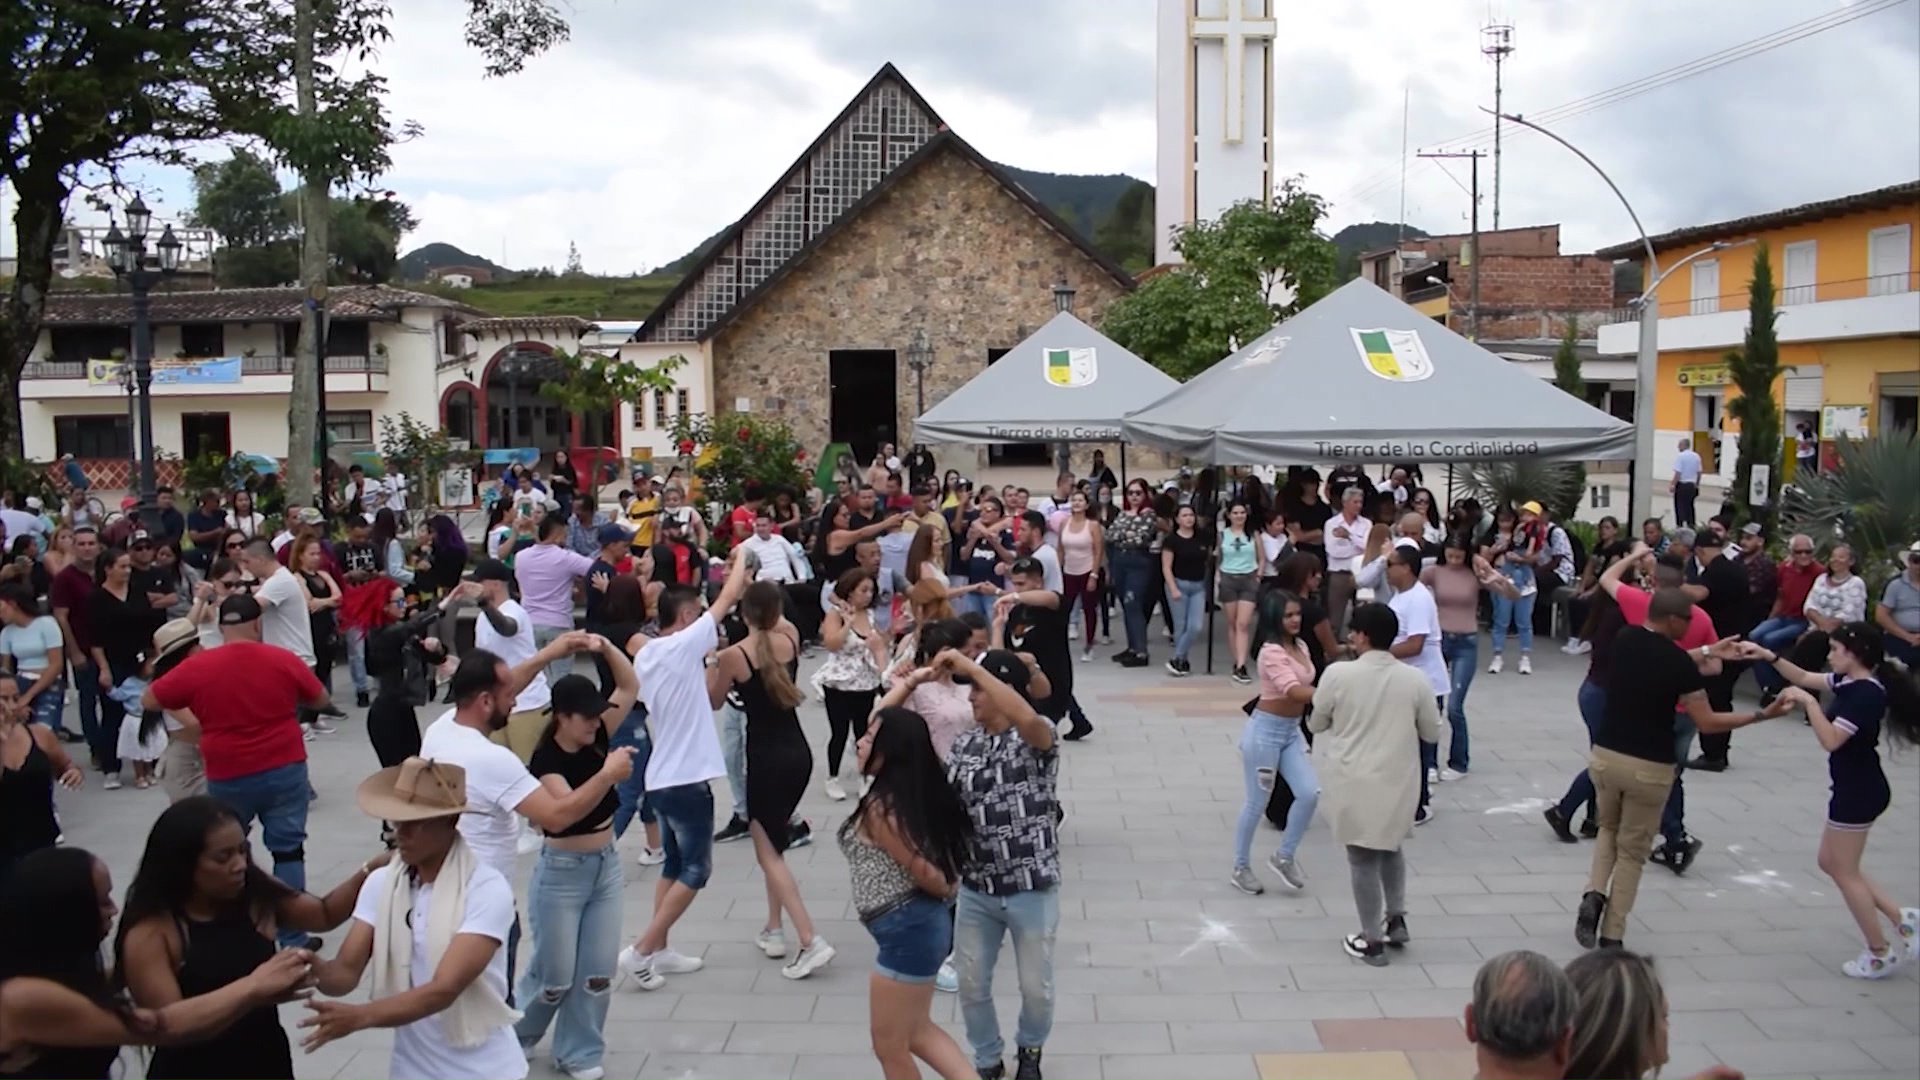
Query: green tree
point(574, 268)
point(732, 449)
point(365, 234)
point(1755, 367)
point(239, 198)
point(1566, 376)
point(1125, 235)
point(89, 85)
point(1224, 295)
point(592, 382)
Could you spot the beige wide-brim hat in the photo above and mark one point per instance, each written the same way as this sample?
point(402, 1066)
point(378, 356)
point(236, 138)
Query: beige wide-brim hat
point(175, 635)
point(414, 790)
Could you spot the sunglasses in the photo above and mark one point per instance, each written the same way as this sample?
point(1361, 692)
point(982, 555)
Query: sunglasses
point(234, 545)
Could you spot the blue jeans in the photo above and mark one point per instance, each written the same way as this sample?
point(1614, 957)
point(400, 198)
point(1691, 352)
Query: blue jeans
point(49, 704)
point(1673, 818)
point(573, 913)
point(86, 685)
point(1592, 699)
point(1189, 605)
point(733, 747)
point(975, 602)
point(1272, 744)
point(981, 923)
point(278, 797)
point(356, 637)
point(632, 792)
point(1462, 654)
point(686, 832)
point(1132, 579)
point(1775, 635)
point(1517, 612)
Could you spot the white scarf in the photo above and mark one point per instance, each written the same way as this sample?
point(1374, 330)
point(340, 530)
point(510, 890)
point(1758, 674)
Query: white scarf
point(478, 1012)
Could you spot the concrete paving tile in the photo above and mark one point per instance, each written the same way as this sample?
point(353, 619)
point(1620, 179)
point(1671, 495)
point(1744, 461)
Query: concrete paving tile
point(1169, 1007)
point(1391, 1033)
point(716, 1066)
point(1135, 1037)
point(1442, 1063)
point(1374, 1065)
point(1199, 1066)
point(1243, 1036)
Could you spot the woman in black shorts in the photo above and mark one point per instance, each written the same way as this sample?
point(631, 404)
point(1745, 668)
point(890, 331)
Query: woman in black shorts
point(1869, 694)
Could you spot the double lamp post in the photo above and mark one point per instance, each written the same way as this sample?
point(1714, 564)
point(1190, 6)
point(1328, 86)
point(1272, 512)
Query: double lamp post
point(127, 256)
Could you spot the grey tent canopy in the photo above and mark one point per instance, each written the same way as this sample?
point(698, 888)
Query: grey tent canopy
point(1360, 376)
point(1067, 382)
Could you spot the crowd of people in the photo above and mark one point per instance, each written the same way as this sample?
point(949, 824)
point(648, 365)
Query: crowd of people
point(951, 621)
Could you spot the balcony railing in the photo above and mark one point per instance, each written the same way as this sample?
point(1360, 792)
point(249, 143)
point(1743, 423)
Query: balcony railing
point(249, 365)
point(1786, 297)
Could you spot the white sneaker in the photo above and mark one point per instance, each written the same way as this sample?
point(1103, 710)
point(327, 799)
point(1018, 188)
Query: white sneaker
point(1578, 647)
point(670, 962)
point(1909, 931)
point(834, 790)
point(1571, 647)
point(1086, 656)
point(593, 1072)
point(1433, 776)
point(947, 981)
point(1447, 774)
point(306, 733)
point(773, 943)
point(1872, 965)
point(641, 968)
point(652, 856)
point(1499, 664)
point(320, 726)
point(1526, 664)
point(112, 782)
point(810, 959)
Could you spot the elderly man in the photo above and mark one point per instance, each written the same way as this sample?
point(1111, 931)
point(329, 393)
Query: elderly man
point(1346, 540)
point(1787, 619)
point(1899, 611)
point(1520, 1021)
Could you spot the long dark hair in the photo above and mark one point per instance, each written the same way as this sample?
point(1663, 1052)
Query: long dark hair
point(1294, 573)
point(51, 909)
point(1867, 643)
point(163, 884)
point(623, 602)
point(910, 786)
point(1259, 505)
point(446, 534)
point(386, 527)
point(1269, 626)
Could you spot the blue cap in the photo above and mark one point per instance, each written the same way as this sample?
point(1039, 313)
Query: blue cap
point(611, 534)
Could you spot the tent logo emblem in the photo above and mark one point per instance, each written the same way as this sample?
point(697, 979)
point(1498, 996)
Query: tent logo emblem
point(1394, 355)
point(1071, 368)
point(1265, 354)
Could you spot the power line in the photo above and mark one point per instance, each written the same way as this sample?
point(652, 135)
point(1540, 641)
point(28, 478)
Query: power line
point(1377, 181)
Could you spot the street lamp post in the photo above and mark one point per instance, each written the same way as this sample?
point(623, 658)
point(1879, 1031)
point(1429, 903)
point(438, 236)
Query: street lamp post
point(1062, 295)
point(127, 256)
point(919, 359)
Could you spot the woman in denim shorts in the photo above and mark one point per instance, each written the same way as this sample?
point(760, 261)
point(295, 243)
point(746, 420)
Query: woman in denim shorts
point(905, 842)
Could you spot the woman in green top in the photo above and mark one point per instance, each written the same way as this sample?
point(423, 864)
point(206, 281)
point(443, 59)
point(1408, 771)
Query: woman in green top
point(1239, 584)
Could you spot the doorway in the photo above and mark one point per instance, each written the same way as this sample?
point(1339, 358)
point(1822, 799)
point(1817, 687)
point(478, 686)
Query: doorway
point(863, 397)
point(206, 433)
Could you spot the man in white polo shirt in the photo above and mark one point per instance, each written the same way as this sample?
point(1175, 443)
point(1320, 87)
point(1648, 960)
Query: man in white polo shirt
point(1685, 485)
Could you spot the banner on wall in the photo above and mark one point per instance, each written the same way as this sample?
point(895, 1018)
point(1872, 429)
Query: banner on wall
point(215, 371)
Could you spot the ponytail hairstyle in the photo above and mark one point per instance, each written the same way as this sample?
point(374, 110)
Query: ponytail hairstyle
point(1867, 643)
point(760, 608)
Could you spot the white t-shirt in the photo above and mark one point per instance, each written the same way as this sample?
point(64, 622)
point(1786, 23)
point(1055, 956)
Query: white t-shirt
point(281, 539)
point(283, 614)
point(1055, 511)
point(775, 558)
point(1419, 615)
point(1686, 466)
point(395, 486)
point(515, 650)
point(420, 1049)
point(250, 525)
point(1049, 568)
point(673, 683)
point(497, 783)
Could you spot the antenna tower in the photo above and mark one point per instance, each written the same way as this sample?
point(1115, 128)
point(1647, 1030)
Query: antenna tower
point(1496, 43)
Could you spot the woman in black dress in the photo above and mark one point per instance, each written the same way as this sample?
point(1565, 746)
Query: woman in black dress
point(401, 657)
point(59, 1014)
point(32, 761)
point(201, 916)
point(779, 763)
point(123, 624)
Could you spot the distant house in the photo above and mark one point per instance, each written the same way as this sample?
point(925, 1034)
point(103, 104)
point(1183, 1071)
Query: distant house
point(457, 281)
point(460, 277)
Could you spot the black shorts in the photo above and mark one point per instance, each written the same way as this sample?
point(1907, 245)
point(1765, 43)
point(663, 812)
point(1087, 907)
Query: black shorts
point(1855, 807)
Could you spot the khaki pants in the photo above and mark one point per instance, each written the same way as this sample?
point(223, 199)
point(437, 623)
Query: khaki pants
point(522, 732)
point(182, 772)
point(1629, 795)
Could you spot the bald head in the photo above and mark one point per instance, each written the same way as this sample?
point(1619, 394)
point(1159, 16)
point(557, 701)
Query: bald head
point(1522, 1014)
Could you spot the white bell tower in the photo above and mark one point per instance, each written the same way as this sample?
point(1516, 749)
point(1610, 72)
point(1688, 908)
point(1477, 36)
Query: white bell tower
point(1214, 110)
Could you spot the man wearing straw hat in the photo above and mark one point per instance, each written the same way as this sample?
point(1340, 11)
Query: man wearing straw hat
point(432, 922)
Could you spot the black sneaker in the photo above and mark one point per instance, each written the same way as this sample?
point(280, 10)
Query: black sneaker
point(1080, 728)
point(800, 835)
point(995, 1071)
point(735, 829)
point(1177, 669)
point(1370, 953)
point(1680, 856)
point(1122, 656)
point(1026, 1064)
point(1561, 827)
point(1397, 935)
point(1240, 676)
point(1611, 943)
point(1135, 660)
point(1708, 764)
point(362, 699)
point(1589, 829)
point(1586, 925)
point(67, 736)
point(1767, 696)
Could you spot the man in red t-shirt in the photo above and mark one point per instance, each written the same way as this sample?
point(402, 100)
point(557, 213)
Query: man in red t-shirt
point(740, 519)
point(1787, 622)
point(242, 699)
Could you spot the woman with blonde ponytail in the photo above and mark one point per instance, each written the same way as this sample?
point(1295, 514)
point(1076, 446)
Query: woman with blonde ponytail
point(779, 763)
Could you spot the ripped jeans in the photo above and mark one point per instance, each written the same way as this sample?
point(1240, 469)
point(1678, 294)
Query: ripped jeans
point(574, 916)
point(1133, 575)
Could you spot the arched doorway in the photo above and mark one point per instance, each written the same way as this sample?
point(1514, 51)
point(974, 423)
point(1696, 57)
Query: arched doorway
point(517, 414)
point(460, 413)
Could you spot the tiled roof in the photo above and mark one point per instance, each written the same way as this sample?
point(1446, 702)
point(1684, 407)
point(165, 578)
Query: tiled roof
point(240, 305)
point(566, 324)
point(1877, 199)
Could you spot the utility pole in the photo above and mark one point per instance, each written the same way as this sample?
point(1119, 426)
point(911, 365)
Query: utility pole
point(1473, 245)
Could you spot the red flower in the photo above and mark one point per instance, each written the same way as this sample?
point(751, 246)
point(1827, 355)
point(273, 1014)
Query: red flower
point(686, 447)
point(800, 455)
point(744, 433)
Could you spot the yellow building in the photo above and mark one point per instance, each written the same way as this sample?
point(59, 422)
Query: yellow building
point(1846, 272)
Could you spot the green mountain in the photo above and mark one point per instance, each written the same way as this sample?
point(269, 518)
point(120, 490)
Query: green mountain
point(415, 265)
point(1351, 241)
point(1085, 201)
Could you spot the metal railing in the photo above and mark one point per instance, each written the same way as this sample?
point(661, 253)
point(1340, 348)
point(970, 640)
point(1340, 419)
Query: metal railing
point(249, 365)
point(1784, 297)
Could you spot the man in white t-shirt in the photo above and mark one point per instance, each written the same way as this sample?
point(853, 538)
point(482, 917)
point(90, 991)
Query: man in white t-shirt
point(471, 976)
point(283, 602)
point(1418, 646)
point(672, 669)
point(1033, 544)
point(1056, 508)
point(500, 791)
point(506, 630)
point(1685, 485)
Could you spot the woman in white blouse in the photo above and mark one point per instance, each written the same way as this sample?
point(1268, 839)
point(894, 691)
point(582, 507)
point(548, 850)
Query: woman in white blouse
point(1839, 596)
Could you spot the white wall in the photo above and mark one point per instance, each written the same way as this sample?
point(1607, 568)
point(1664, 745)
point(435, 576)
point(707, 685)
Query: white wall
point(1829, 320)
point(652, 440)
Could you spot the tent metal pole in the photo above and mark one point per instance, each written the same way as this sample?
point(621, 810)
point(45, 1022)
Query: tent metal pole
point(1123, 464)
point(1206, 608)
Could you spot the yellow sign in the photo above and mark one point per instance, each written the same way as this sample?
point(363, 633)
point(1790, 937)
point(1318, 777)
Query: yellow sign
point(1705, 375)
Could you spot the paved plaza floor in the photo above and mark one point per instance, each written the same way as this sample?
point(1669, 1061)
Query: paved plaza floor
point(1163, 970)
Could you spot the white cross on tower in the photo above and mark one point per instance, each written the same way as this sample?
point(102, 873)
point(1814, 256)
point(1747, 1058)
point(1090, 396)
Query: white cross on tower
point(1233, 33)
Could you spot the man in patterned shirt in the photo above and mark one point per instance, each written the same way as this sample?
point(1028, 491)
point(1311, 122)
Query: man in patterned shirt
point(1004, 772)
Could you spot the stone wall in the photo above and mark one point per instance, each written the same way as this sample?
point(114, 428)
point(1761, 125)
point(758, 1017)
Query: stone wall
point(946, 250)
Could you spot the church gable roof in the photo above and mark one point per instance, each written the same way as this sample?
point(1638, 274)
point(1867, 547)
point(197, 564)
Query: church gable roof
point(884, 125)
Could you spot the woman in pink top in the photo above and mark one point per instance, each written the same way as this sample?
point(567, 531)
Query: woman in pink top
point(1273, 744)
point(1082, 551)
point(945, 705)
point(1456, 581)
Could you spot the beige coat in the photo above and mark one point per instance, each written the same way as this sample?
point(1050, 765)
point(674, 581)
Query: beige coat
point(1370, 715)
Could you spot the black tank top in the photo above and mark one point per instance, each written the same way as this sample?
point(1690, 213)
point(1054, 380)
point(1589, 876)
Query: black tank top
point(26, 805)
point(68, 1063)
point(214, 954)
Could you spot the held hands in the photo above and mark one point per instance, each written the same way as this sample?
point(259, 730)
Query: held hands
point(1747, 650)
point(1727, 648)
point(1793, 697)
point(285, 976)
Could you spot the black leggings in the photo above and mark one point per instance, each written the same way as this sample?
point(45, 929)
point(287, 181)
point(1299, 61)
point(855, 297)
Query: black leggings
point(847, 712)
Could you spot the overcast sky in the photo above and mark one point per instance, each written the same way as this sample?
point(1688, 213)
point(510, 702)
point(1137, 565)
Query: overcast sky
point(661, 122)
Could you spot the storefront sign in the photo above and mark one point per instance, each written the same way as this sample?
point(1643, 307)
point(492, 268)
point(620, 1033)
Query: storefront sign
point(1705, 375)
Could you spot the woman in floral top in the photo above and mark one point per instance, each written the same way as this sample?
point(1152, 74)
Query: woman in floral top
point(1129, 543)
point(850, 679)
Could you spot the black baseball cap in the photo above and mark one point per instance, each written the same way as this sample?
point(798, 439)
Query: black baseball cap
point(577, 695)
point(490, 570)
point(1007, 667)
point(239, 608)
